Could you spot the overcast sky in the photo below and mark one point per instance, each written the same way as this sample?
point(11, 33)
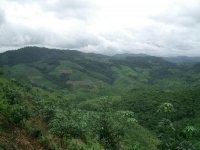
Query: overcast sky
point(156, 27)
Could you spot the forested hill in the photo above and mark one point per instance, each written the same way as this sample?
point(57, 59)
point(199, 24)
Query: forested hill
point(69, 68)
point(64, 99)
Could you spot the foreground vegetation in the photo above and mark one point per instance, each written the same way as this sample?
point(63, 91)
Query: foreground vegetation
point(85, 101)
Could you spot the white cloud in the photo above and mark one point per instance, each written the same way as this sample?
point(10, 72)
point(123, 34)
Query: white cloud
point(167, 27)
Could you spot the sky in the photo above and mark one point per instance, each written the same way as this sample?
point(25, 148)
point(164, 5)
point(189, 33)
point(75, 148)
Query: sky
point(154, 27)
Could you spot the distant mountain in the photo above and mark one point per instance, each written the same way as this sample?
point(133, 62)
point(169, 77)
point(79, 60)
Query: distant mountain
point(175, 59)
point(183, 59)
point(130, 55)
point(73, 69)
point(33, 54)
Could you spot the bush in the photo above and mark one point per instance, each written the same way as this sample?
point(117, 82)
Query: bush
point(74, 144)
point(47, 143)
point(48, 113)
point(12, 95)
point(186, 145)
point(68, 125)
point(18, 113)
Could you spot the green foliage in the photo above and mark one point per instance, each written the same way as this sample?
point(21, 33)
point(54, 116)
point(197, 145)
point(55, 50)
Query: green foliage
point(127, 116)
point(18, 113)
point(48, 113)
point(11, 104)
point(68, 125)
point(47, 143)
point(189, 131)
point(186, 145)
point(54, 68)
point(109, 131)
point(166, 128)
point(1, 73)
point(166, 134)
point(12, 95)
point(166, 108)
point(74, 144)
point(89, 101)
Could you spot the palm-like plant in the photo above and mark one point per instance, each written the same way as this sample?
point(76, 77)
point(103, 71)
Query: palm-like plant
point(189, 131)
point(166, 109)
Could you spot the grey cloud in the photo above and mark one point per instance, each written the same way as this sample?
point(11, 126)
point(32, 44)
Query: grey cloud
point(2, 17)
point(13, 35)
point(72, 41)
point(17, 35)
point(171, 33)
point(71, 8)
point(182, 15)
point(175, 39)
point(156, 40)
point(77, 9)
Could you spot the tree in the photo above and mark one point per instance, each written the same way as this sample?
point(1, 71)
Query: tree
point(166, 109)
point(108, 129)
point(167, 133)
point(166, 128)
point(189, 131)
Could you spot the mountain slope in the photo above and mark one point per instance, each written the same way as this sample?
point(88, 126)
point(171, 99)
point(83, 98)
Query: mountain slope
point(67, 68)
point(33, 118)
point(91, 101)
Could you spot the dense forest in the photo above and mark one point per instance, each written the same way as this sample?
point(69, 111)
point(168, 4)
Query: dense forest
point(54, 99)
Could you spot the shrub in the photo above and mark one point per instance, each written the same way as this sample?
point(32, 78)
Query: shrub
point(18, 113)
point(12, 96)
point(69, 125)
point(185, 145)
point(47, 143)
point(48, 113)
point(74, 144)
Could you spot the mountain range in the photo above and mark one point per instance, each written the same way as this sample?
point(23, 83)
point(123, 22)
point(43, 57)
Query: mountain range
point(53, 99)
point(69, 68)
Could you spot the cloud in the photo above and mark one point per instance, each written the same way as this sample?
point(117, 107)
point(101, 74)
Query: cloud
point(22, 36)
point(81, 9)
point(2, 17)
point(78, 9)
point(167, 27)
point(182, 14)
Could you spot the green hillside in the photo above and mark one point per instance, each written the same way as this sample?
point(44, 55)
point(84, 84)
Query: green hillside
point(34, 118)
point(53, 68)
point(65, 99)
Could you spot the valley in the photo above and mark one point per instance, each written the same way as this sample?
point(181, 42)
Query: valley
point(66, 99)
